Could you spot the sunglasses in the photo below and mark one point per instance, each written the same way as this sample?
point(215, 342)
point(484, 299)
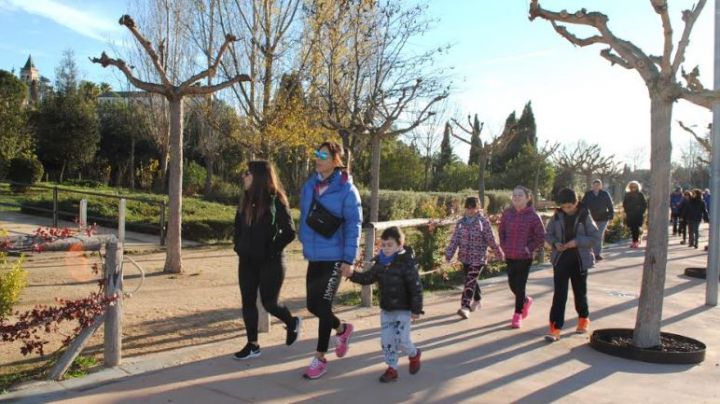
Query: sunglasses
point(322, 155)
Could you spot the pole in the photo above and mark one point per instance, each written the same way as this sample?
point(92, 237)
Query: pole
point(55, 207)
point(83, 214)
point(366, 294)
point(713, 265)
point(121, 220)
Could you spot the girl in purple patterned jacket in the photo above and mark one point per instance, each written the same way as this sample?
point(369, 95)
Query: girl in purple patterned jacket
point(521, 232)
point(473, 234)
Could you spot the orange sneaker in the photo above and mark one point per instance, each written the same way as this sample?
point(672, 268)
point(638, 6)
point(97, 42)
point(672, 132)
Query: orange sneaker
point(553, 334)
point(583, 325)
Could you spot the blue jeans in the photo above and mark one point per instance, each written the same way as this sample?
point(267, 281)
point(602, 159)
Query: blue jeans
point(395, 335)
point(597, 248)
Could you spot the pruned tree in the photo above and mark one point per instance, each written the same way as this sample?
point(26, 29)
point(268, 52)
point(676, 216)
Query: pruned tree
point(586, 160)
point(483, 149)
point(175, 94)
point(660, 76)
point(366, 79)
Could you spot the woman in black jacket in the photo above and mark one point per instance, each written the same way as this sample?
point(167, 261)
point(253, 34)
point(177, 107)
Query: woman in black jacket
point(695, 212)
point(634, 205)
point(263, 228)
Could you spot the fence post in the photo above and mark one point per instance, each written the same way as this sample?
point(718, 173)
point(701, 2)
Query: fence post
point(162, 223)
point(366, 295)
point(121, 220)
point(113, 316)
point(83, 214)
point(55, 207)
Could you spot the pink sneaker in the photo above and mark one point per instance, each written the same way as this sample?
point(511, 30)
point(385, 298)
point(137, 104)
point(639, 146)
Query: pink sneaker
point(526, 307)
point(516, 320)
point(342, 341)
point(317, 368)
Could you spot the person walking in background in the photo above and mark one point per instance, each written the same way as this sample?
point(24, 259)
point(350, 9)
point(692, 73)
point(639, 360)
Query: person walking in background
point(706, 198)
point(330, 222)
point(634, 205)
point(675, 200)
point(600, 205)
point(473, 234)
point(695, 212)
point(682, 211)
point(401, 299)
point(572, 233)
point(263, 228)
point(521, 232)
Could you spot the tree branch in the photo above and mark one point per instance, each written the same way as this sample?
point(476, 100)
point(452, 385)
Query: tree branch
point(127, 21)
point(705, 143)
point(615, 59)
point(563, 31)
point(203, 90)
point(212, 69)
point(661, 8)
point(106, 61)
point(689, 17)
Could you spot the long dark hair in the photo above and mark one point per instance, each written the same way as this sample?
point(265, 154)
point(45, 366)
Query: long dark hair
point(265, 185)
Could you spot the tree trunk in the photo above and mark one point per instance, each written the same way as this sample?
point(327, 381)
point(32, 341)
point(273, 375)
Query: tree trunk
point(173, 260)
point(536, 181)
point(62, 172)
point(649, 315)
point(209, 165)
point(481, 183)
point(375, 180)
point(132, 163)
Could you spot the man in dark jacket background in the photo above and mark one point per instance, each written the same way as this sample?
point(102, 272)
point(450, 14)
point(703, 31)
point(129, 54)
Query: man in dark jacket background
point(600, 205)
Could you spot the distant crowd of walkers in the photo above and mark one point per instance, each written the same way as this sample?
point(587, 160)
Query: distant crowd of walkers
point(330, 229)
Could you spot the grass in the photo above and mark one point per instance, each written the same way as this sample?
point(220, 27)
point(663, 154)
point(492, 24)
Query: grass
point(81, 366)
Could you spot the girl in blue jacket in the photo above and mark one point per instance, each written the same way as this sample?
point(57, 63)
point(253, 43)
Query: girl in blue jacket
point(331, 190)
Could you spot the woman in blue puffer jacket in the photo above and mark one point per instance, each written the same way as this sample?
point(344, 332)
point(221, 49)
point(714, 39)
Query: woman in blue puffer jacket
point(330, 189)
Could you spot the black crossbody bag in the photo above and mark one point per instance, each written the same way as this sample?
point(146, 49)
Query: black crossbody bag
point(322, 220)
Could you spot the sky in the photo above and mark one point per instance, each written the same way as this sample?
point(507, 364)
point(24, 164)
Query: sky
point(499, 59)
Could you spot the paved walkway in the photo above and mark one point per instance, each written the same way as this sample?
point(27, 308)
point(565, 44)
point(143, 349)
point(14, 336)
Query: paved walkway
point(476, 360)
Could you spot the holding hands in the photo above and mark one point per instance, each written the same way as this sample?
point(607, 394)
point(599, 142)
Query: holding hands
point(562, 247)
point(347, 270)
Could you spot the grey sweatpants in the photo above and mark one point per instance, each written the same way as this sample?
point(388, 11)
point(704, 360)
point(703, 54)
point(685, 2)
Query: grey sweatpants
point(395, 335)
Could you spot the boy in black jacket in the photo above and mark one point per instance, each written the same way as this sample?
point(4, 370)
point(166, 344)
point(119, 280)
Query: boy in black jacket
point(401, 300)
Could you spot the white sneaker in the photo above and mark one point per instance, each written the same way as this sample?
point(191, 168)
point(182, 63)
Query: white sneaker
point(476, 304)
point(464, 313)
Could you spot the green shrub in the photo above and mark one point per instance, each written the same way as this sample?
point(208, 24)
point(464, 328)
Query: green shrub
point(224, 192)
point(193, 178)
point(13, 279)
point(25, 170)
point(498, 200)
point(616, 229)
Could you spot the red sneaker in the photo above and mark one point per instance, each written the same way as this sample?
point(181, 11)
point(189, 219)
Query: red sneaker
point(390, 375)
point(415, 363)
point(343, 340)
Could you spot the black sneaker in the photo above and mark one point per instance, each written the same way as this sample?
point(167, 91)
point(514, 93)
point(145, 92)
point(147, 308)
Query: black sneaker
point(599, 258)
point(293, 332)
point(250, 351)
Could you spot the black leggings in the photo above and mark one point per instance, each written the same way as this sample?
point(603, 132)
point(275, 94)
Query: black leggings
point(267, 276)
point(568, 268)
point(635, 232)
point(322, 282)
point(518, 271)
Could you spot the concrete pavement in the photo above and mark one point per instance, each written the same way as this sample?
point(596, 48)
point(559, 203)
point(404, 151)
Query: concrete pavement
point(475, 360)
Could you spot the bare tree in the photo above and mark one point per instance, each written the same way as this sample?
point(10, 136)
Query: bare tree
point(264, 49)
point(585, 159)
point(484, 149)
point(174, 93)
point(367, 79)
point(427, 137)
point(660, 75)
